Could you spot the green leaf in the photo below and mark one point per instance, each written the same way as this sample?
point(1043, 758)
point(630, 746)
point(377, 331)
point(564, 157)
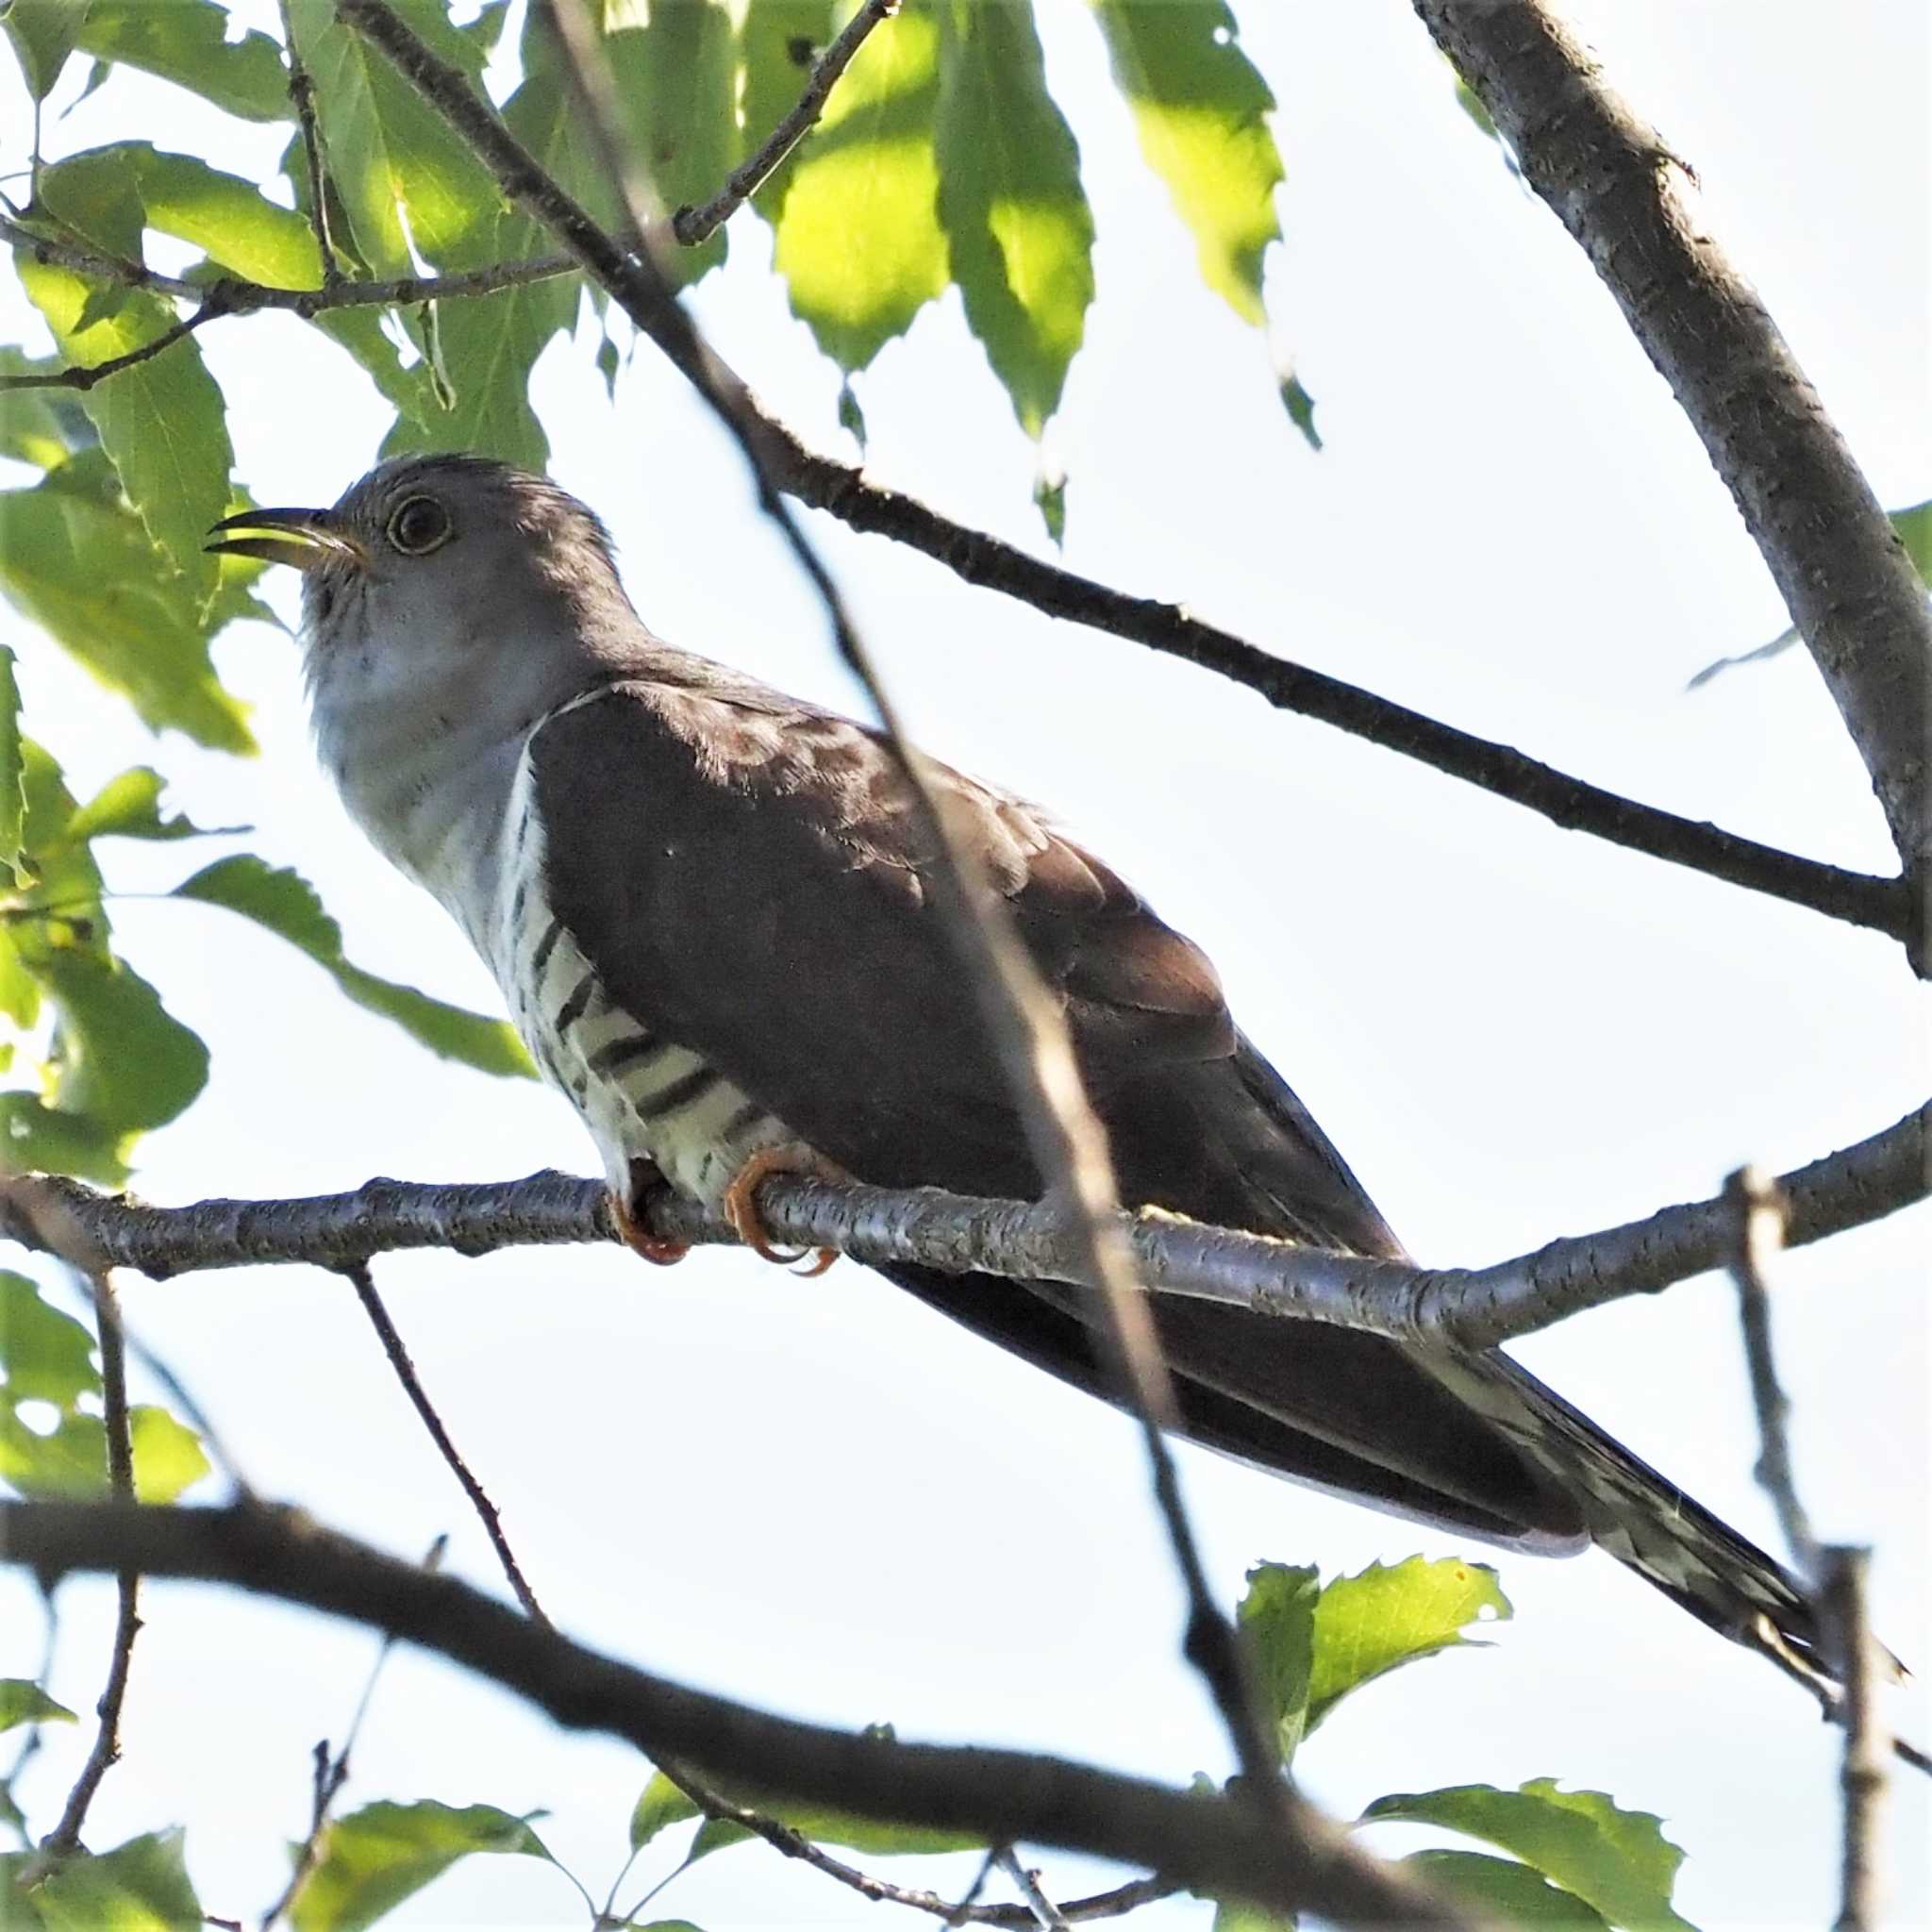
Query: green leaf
point(42, 426)
point(1300, 405)
point(39, 1139)
point(76, 563)
point(160, 422)
point(128, 805)
point(859, 240)
point(1617, 1861)
point(45, 1354)
point(12, 792)
point(21, 1702)
point(168, 1455)
point(660, 1805)
point(778, 42)
point(186, 42)
point(677, 74)
point(286, 905)
point(370, 1862)
point(1010, 202)
point(142, 1885)
point(487, 29)
point(1241, 1918)
point(229, 218)
point(1050, 500)
point(123, 1059)
point(403, 177)
point(43, 33)
point(1201, 108)
point(1914, 527)
point(1276, 1620)
point(1502, 1890)
point(1387, 1616)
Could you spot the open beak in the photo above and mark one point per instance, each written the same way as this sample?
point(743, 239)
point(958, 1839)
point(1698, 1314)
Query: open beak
point(306, 539)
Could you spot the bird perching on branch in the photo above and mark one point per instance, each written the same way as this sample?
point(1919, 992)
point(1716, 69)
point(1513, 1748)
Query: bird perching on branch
point(709, 907)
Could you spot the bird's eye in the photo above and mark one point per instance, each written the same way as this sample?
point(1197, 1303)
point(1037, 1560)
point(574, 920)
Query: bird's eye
point(419, 526)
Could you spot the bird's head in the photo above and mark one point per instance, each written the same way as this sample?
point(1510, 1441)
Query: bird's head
point(438, 568)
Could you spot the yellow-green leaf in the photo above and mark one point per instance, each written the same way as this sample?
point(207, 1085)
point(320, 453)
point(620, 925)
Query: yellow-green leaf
point(286, 905)
point(168, 1455)
point(1201, 108)
point(186, 42)
point(859, 240)
point(45, 1354)
point(1502, 1892)
point(778, 42)
point(1010, 202)
point(43, 33)
point(21, 1702)
point(142, 1885)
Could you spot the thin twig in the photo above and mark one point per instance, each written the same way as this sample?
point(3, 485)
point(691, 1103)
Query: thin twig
point(359, 1278)
point(85, 376)
point(1046, 1915)
point(1221, 1845)
point(693, 226)
point(960, 1233)
point(302, 97)
point(1760, 1234)
point(1862, 1777)
point(64, 1839)
point(331, 1773)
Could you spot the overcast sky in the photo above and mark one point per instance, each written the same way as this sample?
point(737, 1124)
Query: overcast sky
point(819, 1498)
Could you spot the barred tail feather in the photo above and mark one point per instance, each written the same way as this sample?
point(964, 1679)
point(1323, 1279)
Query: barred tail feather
point(1647, 1523)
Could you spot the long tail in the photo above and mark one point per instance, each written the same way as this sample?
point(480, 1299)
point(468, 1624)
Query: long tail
point(1647, 1523)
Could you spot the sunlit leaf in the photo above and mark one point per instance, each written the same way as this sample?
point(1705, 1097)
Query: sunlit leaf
point(1277, 1624)
point(39, 1139)
point(42, 426)
point(675, 72)
point(229, 218)
point(1389, 1615)
point(142, 1885)
point(1503, 1891)
point(1201, 109)
point(128, 805)
point(160, 422)
point(1617, 1861)
point(403, 177)
point(859, 240)
point(76, 562)
point(186, 42)
point(12, 794)
point(45, 1354)
point(1010, 202)
point(660, 1805)
point(168, 1455)
point(286, 905)
point(43, 33)
point(21, 1702)
point(370, 1862)
point(778, 42)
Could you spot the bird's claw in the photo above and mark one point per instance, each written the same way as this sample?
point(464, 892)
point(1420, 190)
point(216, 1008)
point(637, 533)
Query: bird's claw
point(631, 1229)
point(740, 1205)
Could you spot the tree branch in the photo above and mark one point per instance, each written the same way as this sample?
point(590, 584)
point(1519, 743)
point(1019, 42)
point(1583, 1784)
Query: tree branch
point(693, 226)
point(302, 98)
point(1222, 1845)
point(64, 1839)
point(1474, 1308)
point(1844, 574)
point(84, 377)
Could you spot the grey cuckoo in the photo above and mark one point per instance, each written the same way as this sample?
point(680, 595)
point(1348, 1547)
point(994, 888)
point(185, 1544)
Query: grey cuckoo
point(705, 906)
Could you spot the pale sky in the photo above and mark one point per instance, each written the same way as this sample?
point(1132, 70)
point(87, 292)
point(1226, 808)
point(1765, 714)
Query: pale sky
point(819, 1498)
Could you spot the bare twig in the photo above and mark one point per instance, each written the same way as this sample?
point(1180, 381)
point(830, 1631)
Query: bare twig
point(332, 1772)
point(1627, 201)
point(1220, 1844)
point(359, 1278)
point(1862, 1778)
point(65, 1838)
point(302, 97)
point(693, 226)
point(1046, 1915)
point(959, 1234)
point(85, 376)
point(1760, 1233)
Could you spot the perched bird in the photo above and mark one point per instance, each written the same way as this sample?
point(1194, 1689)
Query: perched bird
point(706, 908)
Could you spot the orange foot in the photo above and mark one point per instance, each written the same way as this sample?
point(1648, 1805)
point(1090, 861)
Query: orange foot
point(625, 1214)
point(741, 1204)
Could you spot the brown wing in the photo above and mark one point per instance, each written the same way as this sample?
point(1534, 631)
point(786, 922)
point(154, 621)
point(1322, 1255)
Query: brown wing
point(742, 874)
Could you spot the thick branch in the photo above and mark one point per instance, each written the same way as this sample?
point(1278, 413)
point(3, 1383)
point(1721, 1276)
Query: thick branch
point(1222, 1845)
point(1472, 1307)
point(1624, 196)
